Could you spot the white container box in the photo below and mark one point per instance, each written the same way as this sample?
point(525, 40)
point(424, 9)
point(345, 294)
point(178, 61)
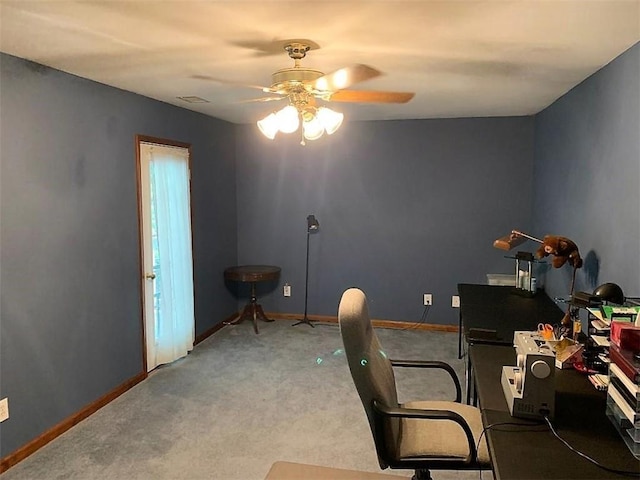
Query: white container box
point(504, 279)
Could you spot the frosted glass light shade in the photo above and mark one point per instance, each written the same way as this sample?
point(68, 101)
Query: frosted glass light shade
point(269, 126)
point(329, 119)
point(313, 129)
point(288, 119)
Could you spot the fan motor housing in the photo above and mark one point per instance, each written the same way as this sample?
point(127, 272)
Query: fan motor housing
point(294, 75)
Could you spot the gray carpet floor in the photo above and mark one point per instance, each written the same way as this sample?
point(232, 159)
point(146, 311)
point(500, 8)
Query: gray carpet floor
point(240, 402)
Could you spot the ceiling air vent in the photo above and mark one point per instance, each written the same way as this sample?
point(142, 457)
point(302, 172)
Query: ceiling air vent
point(193, 99)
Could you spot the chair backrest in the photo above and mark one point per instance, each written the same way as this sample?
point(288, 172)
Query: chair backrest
point(370, 368)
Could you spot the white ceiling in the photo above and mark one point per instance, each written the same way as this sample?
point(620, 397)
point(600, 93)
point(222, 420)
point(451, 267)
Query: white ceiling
point(462, 58)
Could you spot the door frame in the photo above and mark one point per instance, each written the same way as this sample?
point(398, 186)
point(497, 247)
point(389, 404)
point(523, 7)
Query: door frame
point(170, 143)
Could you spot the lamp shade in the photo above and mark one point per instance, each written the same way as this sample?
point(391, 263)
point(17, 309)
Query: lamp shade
point(288, 119)
point(312, 128)
point(312, 223)
point(610, 292)
point(269, 126)
point(329, 119)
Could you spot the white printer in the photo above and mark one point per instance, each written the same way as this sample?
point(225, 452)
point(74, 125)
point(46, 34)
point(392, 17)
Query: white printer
point(529, 387)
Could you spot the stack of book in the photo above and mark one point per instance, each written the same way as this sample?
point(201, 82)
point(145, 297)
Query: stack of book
point(623, 392)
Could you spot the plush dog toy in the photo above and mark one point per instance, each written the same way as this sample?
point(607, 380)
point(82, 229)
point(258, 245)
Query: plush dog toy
point(563, 250)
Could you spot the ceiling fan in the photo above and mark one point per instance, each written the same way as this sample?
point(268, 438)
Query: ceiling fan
point(306, 82)
point(303, 86)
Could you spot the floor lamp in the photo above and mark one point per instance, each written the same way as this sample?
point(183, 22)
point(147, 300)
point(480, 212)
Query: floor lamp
point(312, 227)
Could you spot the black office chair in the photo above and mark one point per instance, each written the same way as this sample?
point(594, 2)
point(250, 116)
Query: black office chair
point(420, 435)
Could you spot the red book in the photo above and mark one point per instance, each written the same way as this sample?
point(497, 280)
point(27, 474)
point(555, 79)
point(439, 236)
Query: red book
point(626, 361)
point(625, 335)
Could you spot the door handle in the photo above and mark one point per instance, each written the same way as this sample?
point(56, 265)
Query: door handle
point(150, 276)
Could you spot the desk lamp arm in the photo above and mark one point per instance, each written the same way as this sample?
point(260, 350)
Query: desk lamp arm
point(518, 233)
point(514, 239)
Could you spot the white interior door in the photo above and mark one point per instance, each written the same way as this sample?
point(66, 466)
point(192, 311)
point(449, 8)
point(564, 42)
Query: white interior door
point(167, 277)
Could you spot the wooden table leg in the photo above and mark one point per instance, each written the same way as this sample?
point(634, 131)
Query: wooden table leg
point(238, 319)
point(252, 310)
point(261, 315)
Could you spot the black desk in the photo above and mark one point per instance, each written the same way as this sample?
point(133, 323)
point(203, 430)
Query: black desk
point(489, 314)
point(532, 452)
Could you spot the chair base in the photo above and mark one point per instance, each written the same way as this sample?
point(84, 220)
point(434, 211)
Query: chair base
point(422, 474)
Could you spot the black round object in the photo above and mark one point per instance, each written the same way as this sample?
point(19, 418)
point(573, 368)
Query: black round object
point(610, 292)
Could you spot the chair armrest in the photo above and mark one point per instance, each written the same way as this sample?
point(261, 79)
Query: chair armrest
point(445, 415)
point(432, 364)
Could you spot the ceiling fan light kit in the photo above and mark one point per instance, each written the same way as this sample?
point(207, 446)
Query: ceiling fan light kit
point(302, 86)
point(315, 121)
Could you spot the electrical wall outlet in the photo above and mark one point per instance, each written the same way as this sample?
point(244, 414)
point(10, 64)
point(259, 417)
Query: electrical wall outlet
point(286, 290)
point(455, 301)
point(428, 299)
point(4, 409)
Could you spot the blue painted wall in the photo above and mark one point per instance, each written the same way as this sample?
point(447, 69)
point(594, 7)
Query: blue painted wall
point(587, 176)
point(70, 328)
point(405, 208)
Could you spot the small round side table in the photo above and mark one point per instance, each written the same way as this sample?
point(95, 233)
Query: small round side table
point(252, 274)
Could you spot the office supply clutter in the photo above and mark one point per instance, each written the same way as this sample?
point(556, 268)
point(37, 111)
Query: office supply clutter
point(623, 396)
point(623, 391)
point(546, 331)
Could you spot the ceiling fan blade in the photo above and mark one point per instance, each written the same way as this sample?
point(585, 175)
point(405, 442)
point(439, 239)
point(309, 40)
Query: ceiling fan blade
point(345, 77)
point(229, 82)
point(263, 99)
point(371, 96)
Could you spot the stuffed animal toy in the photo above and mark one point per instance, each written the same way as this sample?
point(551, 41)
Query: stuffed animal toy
point(563, 250)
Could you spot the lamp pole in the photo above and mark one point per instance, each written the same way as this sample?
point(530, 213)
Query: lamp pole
point(312, 226)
